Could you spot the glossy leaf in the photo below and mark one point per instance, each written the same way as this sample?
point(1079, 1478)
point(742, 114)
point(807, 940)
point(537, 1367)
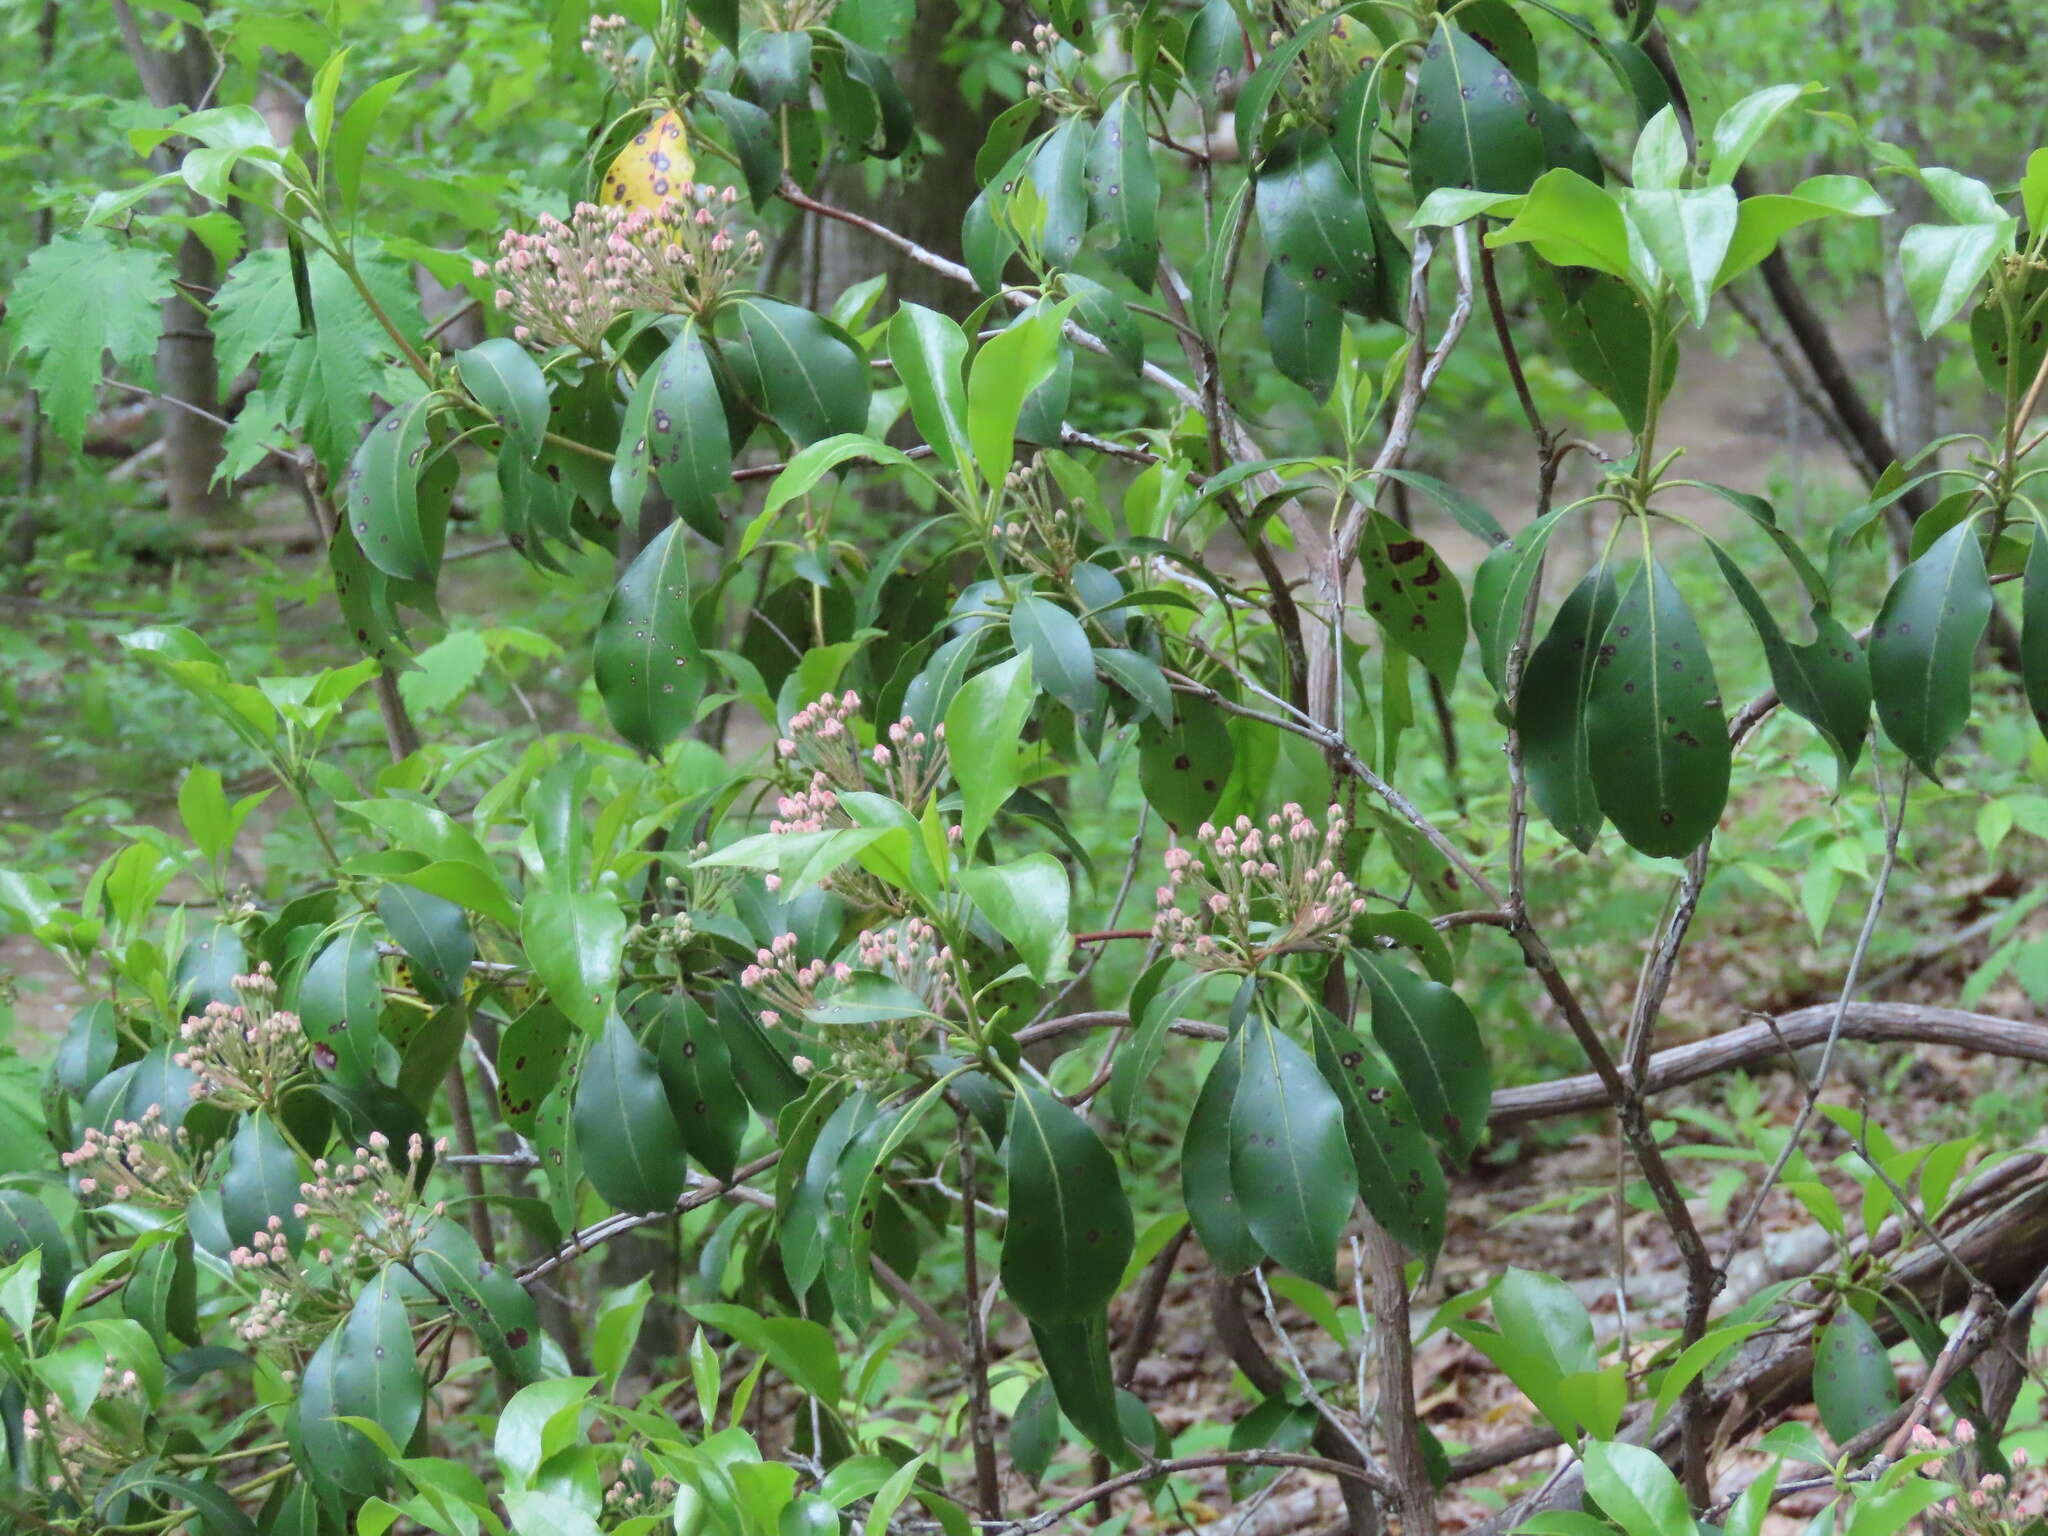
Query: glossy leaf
point(1825, 681)
point(1062, 660)
point(1316, 224)
point(1026, 901)
point(928, 349)
point(1076, 1356)
point(1636, 1490)
point(1058, 172)
point(1762, 221)
point(27, 1226)
point(1923, 647)
point(396, 530)
point(703, 1094)
point(487, 1300)
point(1944, 263)
point(1472, 124)
point(261, 1182)
point(1069, 1235)
point(1434, 1044)
point(1603, 330)
point(804, 371)
point(1123, 185)
point(1009, 366)
point(508, 383)
point(365, 1369)
point(1500, 597)
point(1412, 596)
point(1659, 738)
point(1184, 763)
point(1551, 712)
point(1853, 1385)
point(1213, 1207)
point(1290, 1161)
point(984, 735)
point(2034, 628)
point(435, 936)
point(340, 1002)
point(1688, 233)
point(689, 446)
point(625, 1131)
point(573, 942)
point(1303, 334)
point(1398, 1176)
point(649, 669)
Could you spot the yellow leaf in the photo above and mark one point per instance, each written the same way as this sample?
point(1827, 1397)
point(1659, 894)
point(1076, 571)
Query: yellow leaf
point(653, 167)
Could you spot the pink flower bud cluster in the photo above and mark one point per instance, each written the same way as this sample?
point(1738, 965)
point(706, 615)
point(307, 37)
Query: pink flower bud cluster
point(909, 953)
point(144, 1162)
point(99, 1444)
point(631, 1496)
point(825, 738)
point(1992, 1505)
point(372, 1206)
point(566, 284)
point(913, 763)
point(788, 987)
point(1253, 892)
point(603, 40)
point(243, 1054)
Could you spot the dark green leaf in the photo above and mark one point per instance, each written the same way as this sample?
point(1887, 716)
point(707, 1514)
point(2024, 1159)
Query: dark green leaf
point(531, 1054)
point(1601, 327)
point(1290, 1164)
point(262, 1181)
point(1213, 1208)
point(801, 369)
point(365, 1370)
point(1062, 660)
point(777, 65)
point(1317, 225)
point(1500, 596)
point(1924, 645)
point(218, 1513)
point(1058, 174)
point(1123, 186)
point(1473, 124)
point(1853, 1384)
point(2034, 627)
point(754, 141)
point(703, 1094)
point(25, 1225)
point(688, 445)
point(649, 669)
point(1826, 681)
point(1412, 596)
point(395, 528)
point(631, 1148)
point(1659, 739)
point(1551, 713)
point(1215, 49)
point(1303, 334)
point(1035, 1431)
point(208, 966)
point(1398, 1176)
point(88, 1048)
point(1183, 765)
point(435, 936)
point(1069, 1234)
point(508, 383)
point(486, 1300)
point(1434, 1044)
point(1076, 1356)
point(340, 1001)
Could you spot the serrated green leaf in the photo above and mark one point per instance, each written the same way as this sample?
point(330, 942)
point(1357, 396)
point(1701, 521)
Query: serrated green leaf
point(78, 298)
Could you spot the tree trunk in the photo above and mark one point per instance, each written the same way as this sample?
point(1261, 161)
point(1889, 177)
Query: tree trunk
point(187, 375)
point(1909, 417)
point(929, 205)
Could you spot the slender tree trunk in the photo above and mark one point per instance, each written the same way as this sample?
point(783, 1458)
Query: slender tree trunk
point(22, 531)
point(1909, 416)
point(187, 375)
